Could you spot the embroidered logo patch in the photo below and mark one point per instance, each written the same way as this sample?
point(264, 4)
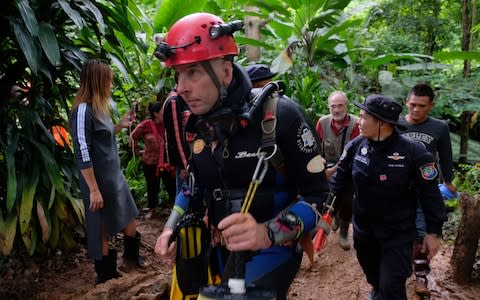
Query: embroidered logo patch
point(198, 146)
point(364, 150)
point(429, 171)
point(396, 156)
point(305, 139)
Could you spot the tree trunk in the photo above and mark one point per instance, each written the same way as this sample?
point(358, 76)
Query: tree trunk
point(466, 120)
point(466, 39)
point(252, 31)
point(466, 243)
point(466, 32)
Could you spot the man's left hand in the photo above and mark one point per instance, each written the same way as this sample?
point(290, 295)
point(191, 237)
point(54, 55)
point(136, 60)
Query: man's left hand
point(242, 232)
point(431, 244)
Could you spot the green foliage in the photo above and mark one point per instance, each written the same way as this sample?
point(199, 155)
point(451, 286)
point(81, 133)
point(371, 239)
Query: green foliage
point(43, 47)
point(467, 179)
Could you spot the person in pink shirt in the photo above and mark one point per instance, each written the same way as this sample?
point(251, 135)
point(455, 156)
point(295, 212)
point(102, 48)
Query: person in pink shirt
point(154, 156)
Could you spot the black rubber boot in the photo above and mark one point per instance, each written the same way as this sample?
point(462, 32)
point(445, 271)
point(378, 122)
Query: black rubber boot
point(343, 240)
point(106, 268)
point(131, 250)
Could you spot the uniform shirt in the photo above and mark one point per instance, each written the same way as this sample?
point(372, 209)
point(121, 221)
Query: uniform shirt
point(388, 177)
point(95, 146)
point(435, 135)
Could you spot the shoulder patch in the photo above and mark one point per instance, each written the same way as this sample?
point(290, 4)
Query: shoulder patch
point(305, 139)
point(429, 171)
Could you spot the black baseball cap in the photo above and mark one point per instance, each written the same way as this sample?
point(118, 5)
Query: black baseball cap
point(259, 72)
point(383, 108)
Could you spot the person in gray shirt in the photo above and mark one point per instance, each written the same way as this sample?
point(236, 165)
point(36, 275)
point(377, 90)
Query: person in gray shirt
point(109, 205)
point(435, 135)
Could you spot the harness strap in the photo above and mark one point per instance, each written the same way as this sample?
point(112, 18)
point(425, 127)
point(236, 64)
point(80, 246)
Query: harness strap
point(269, 124)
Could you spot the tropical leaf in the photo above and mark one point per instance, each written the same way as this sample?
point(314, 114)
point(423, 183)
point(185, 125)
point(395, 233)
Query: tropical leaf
point(61, 209)
point(49, 43)
point(73, 14)
point(28, 16)
point(78, 207)
point(252, 42)
point(50, 165)
point(388, 58)
point(88, 6)
point(8, 230)
point(52, 197)
point(9, 149)
point(55, 232)
point(336, 4)
point(170, 11)
point(26, 206)
point(26, 43)
point(423, 66)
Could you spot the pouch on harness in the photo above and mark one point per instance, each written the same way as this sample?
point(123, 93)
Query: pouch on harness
point(191, 266)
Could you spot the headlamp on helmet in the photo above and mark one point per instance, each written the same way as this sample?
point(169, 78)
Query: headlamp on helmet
point(219, 30)
point(164, 51)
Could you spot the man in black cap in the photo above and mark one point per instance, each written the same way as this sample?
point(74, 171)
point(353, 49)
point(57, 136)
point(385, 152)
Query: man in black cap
point(389, 173)
point(259, 75)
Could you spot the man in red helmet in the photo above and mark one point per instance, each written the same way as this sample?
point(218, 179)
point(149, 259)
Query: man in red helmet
point(227, 150)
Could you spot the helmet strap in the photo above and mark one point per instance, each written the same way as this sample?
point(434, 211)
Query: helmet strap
point(222, 91)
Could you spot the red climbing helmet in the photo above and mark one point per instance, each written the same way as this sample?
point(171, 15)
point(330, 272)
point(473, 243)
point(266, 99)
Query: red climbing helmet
point(198, 37)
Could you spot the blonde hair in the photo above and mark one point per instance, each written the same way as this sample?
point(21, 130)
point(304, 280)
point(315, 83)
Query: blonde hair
point(95, 86)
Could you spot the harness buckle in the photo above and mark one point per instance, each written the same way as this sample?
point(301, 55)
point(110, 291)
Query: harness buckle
point(219, 194)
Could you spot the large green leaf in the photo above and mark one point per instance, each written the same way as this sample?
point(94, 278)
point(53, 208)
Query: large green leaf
point(28, 16)
point(50, 165)
point(9, 149)
point(55, 231)
point(337, 4)
point(170, 11)
point(252, 42)
point(27, 44)
point(88, 6)
point(8, 230)
point(73, 14)
point(78, 207)
point(388, 58)
point(49, 43)
point(26, 206)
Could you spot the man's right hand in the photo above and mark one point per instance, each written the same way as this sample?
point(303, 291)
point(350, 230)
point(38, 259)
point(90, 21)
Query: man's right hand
point(163, 248)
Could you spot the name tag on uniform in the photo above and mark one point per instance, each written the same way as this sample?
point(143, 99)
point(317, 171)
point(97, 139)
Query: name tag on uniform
point(363, 159)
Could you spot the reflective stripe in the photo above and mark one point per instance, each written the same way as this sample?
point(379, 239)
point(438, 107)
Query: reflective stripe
point(82, 141)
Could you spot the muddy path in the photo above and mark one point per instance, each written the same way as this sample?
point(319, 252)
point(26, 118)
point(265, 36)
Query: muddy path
point(335, 275)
